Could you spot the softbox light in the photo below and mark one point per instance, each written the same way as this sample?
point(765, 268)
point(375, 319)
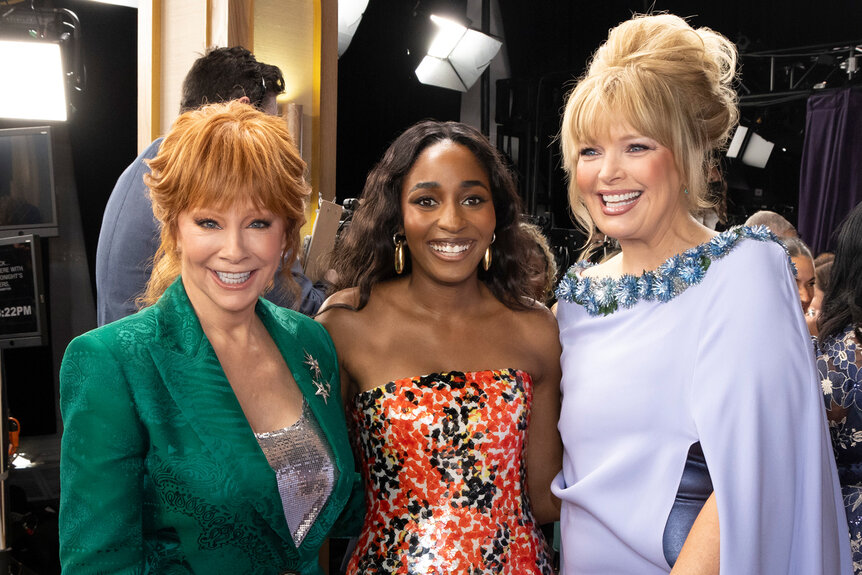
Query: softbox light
point(34, 86)
point(752, 148)
point(457, 56)
point(349, 15)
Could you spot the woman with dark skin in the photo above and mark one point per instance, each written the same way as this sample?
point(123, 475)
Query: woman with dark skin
point(435, 301)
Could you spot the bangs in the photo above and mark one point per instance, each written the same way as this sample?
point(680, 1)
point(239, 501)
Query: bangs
point(626, 96)
point(225, 164)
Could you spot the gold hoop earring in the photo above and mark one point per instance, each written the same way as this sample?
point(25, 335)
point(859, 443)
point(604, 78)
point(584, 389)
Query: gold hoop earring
point(486, 259)
point(399, 253)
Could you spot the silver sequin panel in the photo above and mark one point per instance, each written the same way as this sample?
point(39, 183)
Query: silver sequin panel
point(303, 464)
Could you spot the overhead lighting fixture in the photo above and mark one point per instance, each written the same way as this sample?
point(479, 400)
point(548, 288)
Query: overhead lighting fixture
point(35, 84)
point(457, 56)
point(753, 149)
point(349, 15)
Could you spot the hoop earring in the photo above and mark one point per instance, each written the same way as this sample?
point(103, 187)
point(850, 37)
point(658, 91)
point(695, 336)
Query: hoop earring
point(486, 259)
point(399, 253)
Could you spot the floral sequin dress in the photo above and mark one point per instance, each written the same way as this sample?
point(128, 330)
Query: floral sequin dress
point(442, 459)
point(840, 365)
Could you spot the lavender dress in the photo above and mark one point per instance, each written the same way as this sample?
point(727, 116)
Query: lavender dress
point(710, 348)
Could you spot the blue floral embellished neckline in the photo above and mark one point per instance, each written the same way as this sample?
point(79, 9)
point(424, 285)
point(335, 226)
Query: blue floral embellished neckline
point(604, 296)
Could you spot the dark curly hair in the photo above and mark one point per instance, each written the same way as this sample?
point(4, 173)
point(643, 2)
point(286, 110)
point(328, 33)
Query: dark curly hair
point(842, 302)
point(224, 74)
point(365, 254)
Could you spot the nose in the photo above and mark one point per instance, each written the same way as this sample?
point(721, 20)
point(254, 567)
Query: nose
point(611, 167)
point(806, 296)
point(451, 218)
point(233, 249)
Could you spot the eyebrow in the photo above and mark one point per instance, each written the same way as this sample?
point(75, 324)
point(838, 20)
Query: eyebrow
point(432, 185)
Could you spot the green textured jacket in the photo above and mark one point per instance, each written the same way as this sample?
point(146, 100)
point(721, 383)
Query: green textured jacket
point(161, 473)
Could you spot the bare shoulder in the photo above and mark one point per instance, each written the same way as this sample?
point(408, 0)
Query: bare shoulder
point(538, 340)
point(345, 299)
point(339, 307)
point(538, 316)
point(538, 327)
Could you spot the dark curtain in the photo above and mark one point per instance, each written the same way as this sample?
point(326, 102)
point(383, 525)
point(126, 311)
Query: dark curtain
point(830, 182)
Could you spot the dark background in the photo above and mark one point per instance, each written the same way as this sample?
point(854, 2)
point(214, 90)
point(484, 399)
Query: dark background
point(548, 44)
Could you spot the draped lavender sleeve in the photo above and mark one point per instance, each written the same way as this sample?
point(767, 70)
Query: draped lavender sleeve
point(721, 362)
point(759, 414)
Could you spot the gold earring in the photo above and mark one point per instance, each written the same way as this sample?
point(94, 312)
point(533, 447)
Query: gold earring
point(399, 254)
point(486, 259)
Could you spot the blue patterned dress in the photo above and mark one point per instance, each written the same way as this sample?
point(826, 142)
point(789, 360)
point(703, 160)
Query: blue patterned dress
point(840, 366)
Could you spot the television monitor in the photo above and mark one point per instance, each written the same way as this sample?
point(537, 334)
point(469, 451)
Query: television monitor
point(22, 296)
point(28, 202)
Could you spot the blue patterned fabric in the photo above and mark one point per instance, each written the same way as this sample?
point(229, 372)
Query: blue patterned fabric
point(606, 295)
point(840, 365)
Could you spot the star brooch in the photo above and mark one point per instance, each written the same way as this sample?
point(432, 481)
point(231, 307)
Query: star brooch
point(316, 377)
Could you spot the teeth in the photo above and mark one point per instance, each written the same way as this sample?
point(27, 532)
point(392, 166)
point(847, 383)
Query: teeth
point(233, 278)
point(614, 198)
point(449, 248)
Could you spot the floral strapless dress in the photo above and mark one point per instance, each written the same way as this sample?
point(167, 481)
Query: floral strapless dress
point(442, 459)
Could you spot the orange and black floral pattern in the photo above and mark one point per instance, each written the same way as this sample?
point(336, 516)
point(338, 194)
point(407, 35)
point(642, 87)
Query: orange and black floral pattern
point(443, 466)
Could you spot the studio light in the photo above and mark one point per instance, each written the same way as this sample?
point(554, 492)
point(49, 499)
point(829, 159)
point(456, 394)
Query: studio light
point(40, 62)
point(753, 149)
point(34, 85)
point(349, 15)
point(457, 56)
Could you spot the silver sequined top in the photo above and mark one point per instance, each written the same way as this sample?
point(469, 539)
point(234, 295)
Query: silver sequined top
point(303, 464)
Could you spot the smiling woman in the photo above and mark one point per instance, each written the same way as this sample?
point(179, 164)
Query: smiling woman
point(690, 466)
point(450, 371)
point(228, 257)
point(206, 431)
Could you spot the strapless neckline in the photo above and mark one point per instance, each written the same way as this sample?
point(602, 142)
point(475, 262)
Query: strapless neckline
point(443, 374)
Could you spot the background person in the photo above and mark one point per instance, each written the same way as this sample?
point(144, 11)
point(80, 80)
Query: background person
point(437, 302)
point(542, 264)
point(840, 366)
point(206, 433)
point(692, 422)
point(822, 272)
point(802, 260)
point(129, 235)
point(777, 223)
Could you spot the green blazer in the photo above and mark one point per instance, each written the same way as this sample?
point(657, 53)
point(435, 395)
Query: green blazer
point(161, 473)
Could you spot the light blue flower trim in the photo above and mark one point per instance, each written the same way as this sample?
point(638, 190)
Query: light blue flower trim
point(604, 296)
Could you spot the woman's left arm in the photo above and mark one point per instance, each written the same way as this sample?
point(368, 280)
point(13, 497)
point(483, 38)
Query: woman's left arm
point(544, 453)
point(700, 553)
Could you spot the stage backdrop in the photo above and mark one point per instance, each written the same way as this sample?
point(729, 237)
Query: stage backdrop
point(830, 182)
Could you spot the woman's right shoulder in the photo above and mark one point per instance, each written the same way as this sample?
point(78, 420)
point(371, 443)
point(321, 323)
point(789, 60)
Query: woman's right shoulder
point(344, 300)
point(137, 327)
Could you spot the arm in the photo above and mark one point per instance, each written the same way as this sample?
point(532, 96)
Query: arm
point(335, 315)
point(128, 239)
point(544, 453)
point(101, 462)
point(311, 295)
point(700, 552)
point(350, 522)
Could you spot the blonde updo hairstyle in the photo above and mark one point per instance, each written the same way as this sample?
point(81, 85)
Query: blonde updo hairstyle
point(220, 156)
point(669, 82)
